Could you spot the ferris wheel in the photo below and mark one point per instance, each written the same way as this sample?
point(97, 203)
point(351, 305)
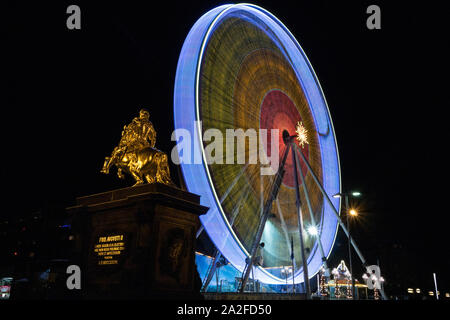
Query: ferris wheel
point(241, 68)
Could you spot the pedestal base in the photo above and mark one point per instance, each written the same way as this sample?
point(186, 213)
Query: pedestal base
point(137, 242)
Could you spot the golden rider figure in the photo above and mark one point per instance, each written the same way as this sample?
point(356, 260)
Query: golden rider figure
point(137, 155)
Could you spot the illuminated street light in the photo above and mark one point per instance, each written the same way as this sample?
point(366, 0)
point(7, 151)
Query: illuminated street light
point(353, 194)
point(286, 271)
point(312, 230)
point(353, 213)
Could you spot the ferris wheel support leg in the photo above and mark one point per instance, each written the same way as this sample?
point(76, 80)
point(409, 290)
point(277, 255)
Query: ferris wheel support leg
point(300, 227)
point(363, 261)
point(262, 222)
point(211, 272)
point(308, 202)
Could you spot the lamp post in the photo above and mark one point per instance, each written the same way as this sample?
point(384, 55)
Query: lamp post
point(286, 271)
point(354, 213)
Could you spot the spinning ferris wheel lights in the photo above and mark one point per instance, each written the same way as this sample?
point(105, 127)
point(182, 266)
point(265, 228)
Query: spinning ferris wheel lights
point(241, 68)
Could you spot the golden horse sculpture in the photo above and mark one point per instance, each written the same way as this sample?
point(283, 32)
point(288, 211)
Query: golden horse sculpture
point(136, 154)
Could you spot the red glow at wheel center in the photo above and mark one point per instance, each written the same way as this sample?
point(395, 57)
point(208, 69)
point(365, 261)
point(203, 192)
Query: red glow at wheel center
point(279, 112)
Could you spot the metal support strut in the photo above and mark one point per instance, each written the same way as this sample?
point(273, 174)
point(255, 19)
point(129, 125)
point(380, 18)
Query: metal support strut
point(311, 215)
point(262, 222)
point(211, 271)
point(300, 225)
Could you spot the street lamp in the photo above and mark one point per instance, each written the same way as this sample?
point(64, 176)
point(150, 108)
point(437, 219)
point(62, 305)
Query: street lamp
point(312, 230)
point(286, 271)
point(354, 213)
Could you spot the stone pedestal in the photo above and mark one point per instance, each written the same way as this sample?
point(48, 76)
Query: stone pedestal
point(137, 242)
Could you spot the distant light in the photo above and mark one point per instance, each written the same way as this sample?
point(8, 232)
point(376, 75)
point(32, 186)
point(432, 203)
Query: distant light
point(447, 295)
point(337, 195)
point(356, 194)
point(430, 293)
point(312, 230)
point(286, 270)
point(353, 212)
point(410, 290)
point(417, 290)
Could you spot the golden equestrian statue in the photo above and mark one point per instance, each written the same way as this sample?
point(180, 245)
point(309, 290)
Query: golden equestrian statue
point(136, 153)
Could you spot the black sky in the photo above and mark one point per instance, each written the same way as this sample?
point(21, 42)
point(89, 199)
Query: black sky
point(69, 93)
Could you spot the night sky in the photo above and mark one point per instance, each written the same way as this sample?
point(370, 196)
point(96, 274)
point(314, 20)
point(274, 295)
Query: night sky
point(69, 93)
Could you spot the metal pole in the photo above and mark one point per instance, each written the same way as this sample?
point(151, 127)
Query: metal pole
point(293, 264)
point(335, 211)
point(313, 221)
point(217, 280)
point(435, 286)
point(267, 207)
point(349, 247)
point(300, 226)
point(212, 271)
point(253, 279)
point(318, 284)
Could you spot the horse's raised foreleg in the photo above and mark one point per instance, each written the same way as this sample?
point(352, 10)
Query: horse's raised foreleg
point(106, 165)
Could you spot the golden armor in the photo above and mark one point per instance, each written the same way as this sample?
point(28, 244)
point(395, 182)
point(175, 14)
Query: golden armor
point(136, 153)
